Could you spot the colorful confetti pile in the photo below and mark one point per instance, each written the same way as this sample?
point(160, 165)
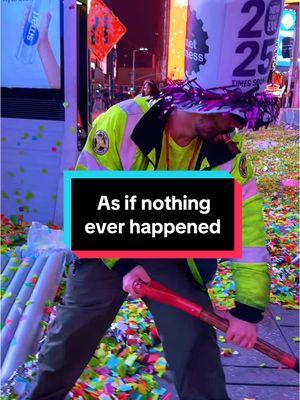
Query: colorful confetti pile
point(129, 359)
point(13, 232)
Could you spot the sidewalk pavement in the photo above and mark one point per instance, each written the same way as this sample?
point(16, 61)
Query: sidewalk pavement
point(251, 375)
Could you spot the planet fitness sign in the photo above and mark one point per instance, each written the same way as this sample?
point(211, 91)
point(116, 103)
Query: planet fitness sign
point(231, 43)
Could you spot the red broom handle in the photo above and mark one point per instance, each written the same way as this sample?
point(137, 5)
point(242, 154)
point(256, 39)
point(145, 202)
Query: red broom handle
point(157, 292)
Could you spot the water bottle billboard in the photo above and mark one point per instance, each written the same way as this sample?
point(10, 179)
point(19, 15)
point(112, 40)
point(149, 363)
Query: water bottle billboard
point(30, 44)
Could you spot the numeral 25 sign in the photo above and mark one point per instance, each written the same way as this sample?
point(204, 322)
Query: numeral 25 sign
point(263, 21)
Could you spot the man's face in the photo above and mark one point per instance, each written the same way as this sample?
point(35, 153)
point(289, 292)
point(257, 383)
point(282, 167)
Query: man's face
point(210, 126)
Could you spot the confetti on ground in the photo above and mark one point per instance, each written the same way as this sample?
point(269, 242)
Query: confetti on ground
point(13, 232)
point(221, 339)
point(274, 153)
point(228, 352)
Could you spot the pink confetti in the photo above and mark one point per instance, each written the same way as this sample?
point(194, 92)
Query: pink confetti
point(289, 183)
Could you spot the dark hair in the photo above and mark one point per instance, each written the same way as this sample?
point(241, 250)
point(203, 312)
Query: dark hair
point(153, 86)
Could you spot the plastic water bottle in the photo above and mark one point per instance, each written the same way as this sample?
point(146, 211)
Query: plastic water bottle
point(29, 41)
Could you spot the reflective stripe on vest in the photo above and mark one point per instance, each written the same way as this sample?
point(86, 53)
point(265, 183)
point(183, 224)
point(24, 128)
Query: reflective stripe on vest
point(228, 166)
point(253, 255)
point(87, 160)
point(128, 148)
point(249, 189)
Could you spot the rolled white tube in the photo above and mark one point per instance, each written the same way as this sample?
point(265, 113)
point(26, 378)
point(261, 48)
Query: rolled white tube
point(4, 261)
point(25, 338)
point(18, 307)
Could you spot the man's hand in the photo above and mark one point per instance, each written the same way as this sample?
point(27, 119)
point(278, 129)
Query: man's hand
point(239, 332)
point(137, 273)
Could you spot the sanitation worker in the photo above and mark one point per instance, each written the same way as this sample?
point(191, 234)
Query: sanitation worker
point(164, 136)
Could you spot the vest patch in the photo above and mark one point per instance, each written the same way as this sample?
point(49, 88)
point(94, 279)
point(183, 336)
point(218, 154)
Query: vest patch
point(100, 143)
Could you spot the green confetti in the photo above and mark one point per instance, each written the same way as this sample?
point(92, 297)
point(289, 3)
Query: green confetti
point(221, 339)
point(11, 174)
point(278, 318)
point(97, 385)
point(4, 195)
point(122, 369)
point(25, 135)
point(7, 295)
point(44, 324)
point(39, 136)
point(48, 303)
point(262, 365)
point(58, 143)
point(94, 362)
point(65, 104)
point(29, 196)
point(41, 128)
point(17, 193)
point(4, 278)
point(26, 209)
point(28, 303)
point(3, 139)
point(22, 169)
point(19, 201)
point(296, 339)
point(100, 353)
point(53, 197)
point(13, 269)
point(146, 339)
point(72, 130)
point(44, 171)
point(31, 357)
point(130, 360)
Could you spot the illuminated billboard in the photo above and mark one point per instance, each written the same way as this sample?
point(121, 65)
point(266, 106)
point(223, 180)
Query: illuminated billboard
point(177, 32)
point(286, 38)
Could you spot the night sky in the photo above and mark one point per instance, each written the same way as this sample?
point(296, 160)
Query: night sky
point(144, 22)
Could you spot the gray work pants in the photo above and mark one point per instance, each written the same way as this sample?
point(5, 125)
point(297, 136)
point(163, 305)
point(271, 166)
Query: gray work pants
point(93, 297)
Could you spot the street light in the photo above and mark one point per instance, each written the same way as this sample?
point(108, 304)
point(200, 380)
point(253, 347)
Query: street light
point(133, 64)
